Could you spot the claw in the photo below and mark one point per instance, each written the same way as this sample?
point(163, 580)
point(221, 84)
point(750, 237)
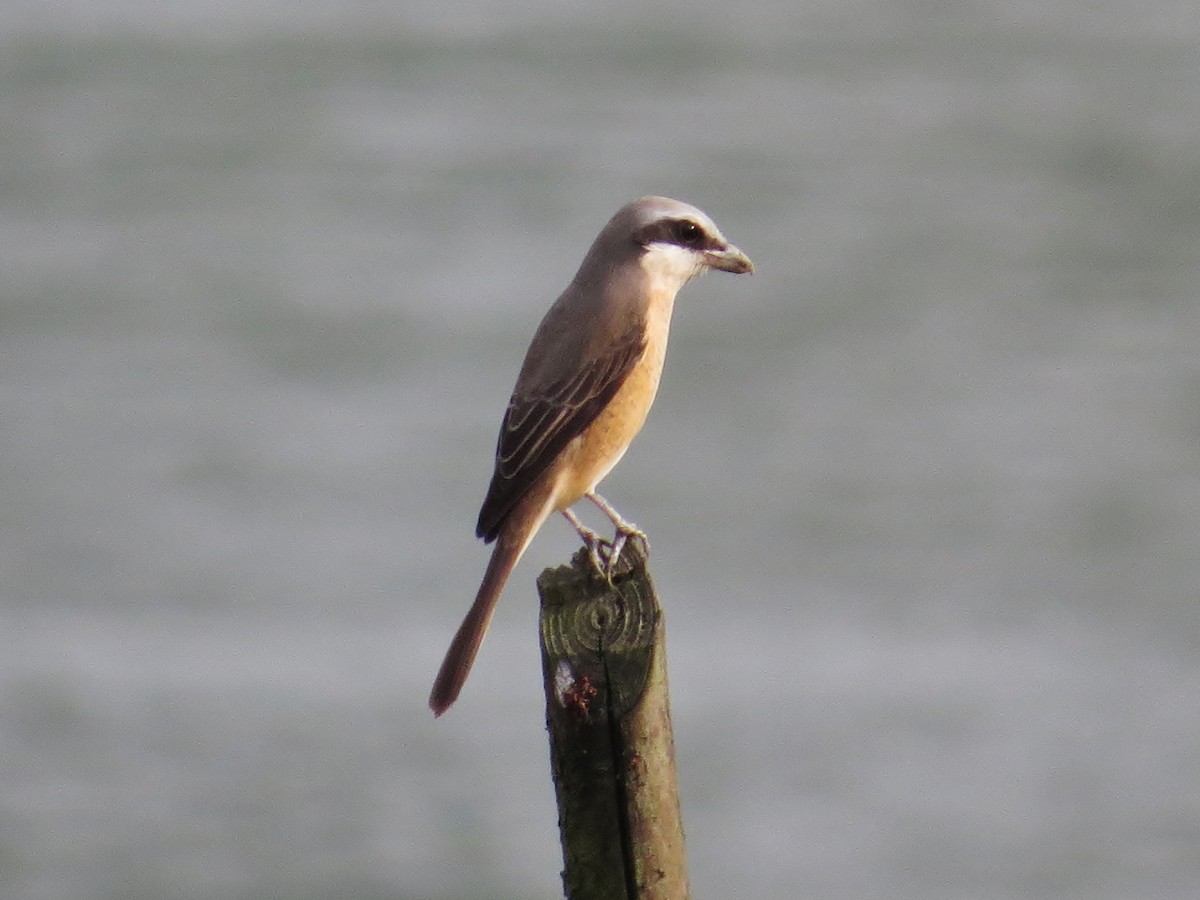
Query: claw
point(599, 556)
point(618, 544)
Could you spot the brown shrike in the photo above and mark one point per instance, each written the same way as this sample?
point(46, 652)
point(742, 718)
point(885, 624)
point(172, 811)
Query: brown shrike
point(587, 383)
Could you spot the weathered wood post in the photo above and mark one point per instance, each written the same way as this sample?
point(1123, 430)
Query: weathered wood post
point(612, 750)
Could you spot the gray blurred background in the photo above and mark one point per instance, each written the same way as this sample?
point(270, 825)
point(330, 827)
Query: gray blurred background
point(924, 492)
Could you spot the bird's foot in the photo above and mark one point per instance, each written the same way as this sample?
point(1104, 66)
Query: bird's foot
point(599, 550)
point(625, 531)
point(600, 553)
point(605, 554)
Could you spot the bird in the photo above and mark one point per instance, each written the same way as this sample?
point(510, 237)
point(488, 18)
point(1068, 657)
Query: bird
point(588, 380)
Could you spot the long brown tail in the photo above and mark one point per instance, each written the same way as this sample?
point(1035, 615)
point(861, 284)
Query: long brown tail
point(461, 655)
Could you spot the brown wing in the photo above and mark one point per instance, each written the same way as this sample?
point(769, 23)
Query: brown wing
point(538, 424)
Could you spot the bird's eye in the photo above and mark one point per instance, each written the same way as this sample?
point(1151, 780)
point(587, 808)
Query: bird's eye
point(688, 232)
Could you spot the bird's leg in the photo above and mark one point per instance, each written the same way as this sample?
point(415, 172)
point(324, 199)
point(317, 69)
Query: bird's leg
point(591, 540)
point(625, 530)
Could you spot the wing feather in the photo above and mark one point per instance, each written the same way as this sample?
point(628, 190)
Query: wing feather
point(539, 423)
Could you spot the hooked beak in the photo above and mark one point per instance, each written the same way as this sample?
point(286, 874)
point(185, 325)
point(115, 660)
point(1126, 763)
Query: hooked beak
point(728, 259)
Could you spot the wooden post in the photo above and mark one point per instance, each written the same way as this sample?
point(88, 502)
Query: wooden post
point(612, 750)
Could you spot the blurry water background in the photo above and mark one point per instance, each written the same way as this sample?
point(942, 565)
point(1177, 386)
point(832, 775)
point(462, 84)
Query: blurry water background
point(924, 492)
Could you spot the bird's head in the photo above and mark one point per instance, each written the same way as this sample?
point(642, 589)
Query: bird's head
point(671, 241)
point(680, 239)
